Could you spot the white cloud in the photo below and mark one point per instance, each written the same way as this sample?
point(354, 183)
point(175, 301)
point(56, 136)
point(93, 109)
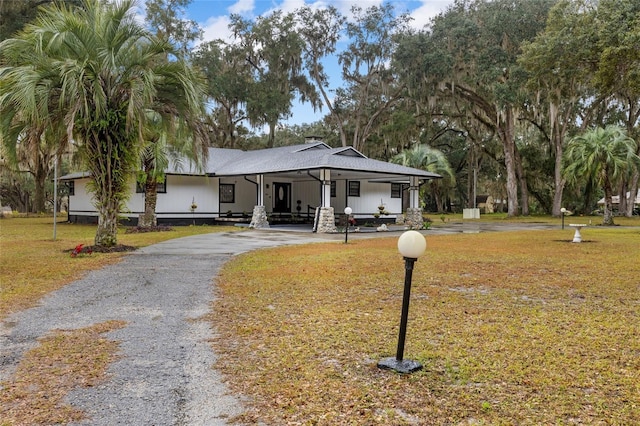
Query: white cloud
point(242, 7)
point(429, 8)
point(217, 27)
point(288, 6)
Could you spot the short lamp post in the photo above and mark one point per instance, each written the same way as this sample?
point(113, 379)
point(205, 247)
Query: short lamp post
point(411, 245)
point(563, 211)
point(347, 211)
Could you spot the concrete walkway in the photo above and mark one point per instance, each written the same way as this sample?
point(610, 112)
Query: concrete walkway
point(164, 375)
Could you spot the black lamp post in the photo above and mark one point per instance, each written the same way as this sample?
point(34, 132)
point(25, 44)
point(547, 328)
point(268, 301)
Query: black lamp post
point(411, 245)
point(347, 212)
point(563, 211)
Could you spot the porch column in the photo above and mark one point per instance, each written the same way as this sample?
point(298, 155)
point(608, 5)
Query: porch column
point(413, 217)
point(325, 177)
point(326, 217)
point(414, 192)
point(260, 180)
point(259, 219)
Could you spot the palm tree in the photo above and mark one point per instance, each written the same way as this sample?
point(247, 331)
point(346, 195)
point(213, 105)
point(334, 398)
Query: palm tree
point(157, 153)
point(104, 72)
point(163, 16)
point(605, 155)
point(432, 160)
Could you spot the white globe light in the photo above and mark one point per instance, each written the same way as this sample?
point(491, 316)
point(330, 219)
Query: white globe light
point(563, 210)
point(412, 244)
point(347, 210)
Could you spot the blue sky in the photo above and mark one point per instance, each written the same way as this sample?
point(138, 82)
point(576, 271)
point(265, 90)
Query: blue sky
point(213, 17)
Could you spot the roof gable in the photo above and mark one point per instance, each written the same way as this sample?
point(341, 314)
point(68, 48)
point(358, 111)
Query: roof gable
point(348, 152)
point(311, 146)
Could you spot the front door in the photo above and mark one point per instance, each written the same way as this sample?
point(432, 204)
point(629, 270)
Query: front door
point(282, 197)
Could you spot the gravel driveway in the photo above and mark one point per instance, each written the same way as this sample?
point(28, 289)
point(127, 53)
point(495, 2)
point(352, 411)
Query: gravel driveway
point(164, 375)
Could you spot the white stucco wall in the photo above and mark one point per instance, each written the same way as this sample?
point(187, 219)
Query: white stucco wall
point(371, 194)
point(82, 200)
point(181, 190)
point(245, 196)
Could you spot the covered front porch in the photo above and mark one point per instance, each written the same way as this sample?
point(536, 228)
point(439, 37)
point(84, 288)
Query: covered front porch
point(293, 182)
point(319, 197)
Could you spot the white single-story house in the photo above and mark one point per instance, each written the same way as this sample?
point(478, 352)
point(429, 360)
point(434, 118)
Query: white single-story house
point(309, 182)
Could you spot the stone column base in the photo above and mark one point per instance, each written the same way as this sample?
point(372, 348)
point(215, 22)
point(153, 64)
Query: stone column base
point(326, 221)
point(413, 218)
point(259, 219)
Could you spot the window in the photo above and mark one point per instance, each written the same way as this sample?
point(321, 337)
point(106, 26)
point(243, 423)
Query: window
point(396, 190)
point(354, 188)
point(227, 193)
point(162, 187)
point(333, 188)
point(71, 186)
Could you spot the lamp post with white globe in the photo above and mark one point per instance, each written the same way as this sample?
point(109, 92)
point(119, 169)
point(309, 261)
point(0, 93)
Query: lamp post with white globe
point(563, 211)
point(347, 212)
point(411, 246)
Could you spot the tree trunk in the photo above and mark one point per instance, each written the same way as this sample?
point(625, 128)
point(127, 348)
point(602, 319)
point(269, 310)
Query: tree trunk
point(107, 232)
point(437, 197)
point(40, 172)
point(622, 197)
point(472, 167)
point(272, 134)
point(508, 143)
point(632, 119)
point(633, 191)
point(588, 197)
point(558, 180)
point(522, 181)
point(40, 179)
point(148, 218)
point(607, 218)
point(110, 184)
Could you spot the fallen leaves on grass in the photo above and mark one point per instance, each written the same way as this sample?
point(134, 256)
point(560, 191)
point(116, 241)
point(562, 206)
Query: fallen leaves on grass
point(118, 248)
point(64, 360)
point(512, 328)
point(144, 229)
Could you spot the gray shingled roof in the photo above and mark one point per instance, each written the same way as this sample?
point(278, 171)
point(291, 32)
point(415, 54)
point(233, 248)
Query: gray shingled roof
point(292, 159)
point(315, 156)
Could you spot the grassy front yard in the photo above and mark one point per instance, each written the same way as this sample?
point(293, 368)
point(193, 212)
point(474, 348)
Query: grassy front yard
point(512, 328)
